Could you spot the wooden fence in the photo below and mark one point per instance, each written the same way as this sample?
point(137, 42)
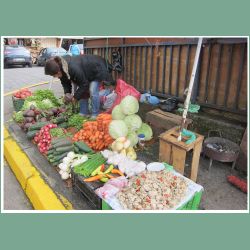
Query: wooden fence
point(165, 69)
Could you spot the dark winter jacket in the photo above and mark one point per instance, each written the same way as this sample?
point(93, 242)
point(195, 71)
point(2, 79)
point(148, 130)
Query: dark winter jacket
point(82, 70)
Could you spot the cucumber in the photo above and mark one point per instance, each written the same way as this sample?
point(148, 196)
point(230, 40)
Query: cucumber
point(37, 126)
point(54, 164)
point(60, 157)
point(76, 149)
point(51, 151)
point(32, 134)
point(65, 149)
point(54, 141)
point(83, 147)
point(63, 125)
point(63, 143)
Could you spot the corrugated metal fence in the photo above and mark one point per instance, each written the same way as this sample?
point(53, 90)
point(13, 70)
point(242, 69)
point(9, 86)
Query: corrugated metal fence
point(165, 69)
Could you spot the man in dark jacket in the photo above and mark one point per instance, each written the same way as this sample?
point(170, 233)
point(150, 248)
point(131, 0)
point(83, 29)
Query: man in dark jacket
point(86, 71)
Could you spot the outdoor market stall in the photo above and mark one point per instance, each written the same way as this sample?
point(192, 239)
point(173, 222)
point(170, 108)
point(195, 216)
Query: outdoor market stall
point(101, 155)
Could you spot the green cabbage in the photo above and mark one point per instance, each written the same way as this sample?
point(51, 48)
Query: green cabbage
point(133, 138)
point(118, 128)
point(133, 122)
point(117, 113)
point(146, 130)
point(46, 104)
point(129, 105)
point(27, 104)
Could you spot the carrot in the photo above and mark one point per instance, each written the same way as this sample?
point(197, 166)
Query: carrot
point(110, 176)
point(94, 178)
point(116, 171)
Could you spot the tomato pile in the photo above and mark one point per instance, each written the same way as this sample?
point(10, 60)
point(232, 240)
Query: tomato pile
point(22, 94)
point(43, 138)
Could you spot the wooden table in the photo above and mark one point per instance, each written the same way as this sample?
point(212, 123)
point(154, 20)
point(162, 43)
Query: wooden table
point(174, 152)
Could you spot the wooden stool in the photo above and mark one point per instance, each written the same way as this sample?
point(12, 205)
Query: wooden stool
point(174, 152)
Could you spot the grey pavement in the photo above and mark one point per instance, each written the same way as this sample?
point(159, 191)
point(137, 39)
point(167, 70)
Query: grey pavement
point(15, 78)
point(14, 197)
point(18, 77)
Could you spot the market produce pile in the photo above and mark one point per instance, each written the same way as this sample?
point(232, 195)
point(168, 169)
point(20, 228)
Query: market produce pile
point(101, 150)
point(95, 133)
point(126, 123)
point(153, 190)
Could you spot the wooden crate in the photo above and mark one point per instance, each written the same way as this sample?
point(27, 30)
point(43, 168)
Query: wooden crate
point(161, 121)
point(174, 152)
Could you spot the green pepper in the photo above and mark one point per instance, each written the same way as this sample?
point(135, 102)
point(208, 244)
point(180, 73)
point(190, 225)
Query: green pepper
point(110, 168)
point(104, 179)
point(95, 172)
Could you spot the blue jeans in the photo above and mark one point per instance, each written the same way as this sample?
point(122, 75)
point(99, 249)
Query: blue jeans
point(95, 100)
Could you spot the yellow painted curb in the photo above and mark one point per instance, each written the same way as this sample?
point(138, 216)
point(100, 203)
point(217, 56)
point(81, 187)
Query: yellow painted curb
point(40, 194)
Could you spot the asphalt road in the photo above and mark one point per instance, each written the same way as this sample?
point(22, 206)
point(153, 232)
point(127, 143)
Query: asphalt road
point(15, 78)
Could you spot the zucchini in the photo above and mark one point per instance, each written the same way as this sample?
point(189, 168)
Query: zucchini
point(63, 143)
point(60, 157)
point(63, 125)
point(37, 126)
point(32, 134)
point(65, 149)
point(83, 147)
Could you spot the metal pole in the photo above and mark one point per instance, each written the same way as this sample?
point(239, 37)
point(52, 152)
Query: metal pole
point(190, 88)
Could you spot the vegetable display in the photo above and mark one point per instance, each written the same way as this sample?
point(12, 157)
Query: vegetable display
point(22, 94)
point(153, 190)
point(76, 121)
point(95, 133)
point(57, 132)
point(41, 99)
point(69, 162)
point(129, 105)
point(43, 138)
point(146, 130)
point(133, 122)
point(125, 164)
point(117, 113)
point(127, 123)
point(85, 169)
point(118, 128)
point(18, 116)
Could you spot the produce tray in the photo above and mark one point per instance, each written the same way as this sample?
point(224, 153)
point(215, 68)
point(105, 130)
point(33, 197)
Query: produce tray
point(17, 103)
point(192, 204)
point(87, 190)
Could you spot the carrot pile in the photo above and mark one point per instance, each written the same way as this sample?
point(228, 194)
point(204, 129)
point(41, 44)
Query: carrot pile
point(96, 133)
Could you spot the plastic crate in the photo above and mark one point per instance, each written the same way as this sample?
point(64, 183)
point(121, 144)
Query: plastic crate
point(193, 204)
point(17, 103)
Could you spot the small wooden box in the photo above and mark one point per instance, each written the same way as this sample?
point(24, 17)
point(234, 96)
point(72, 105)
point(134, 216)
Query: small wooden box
point(161, 121)
point(174, 152)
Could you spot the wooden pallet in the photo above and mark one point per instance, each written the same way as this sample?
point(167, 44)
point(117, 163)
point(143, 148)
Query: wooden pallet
point(174, 152)
point(161, 121)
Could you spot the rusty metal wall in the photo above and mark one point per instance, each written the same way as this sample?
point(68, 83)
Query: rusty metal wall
point(164, 67)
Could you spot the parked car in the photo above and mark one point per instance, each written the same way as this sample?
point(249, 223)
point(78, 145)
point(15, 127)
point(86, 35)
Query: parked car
point(48, 53)
point(80, 47)
point(16, 55)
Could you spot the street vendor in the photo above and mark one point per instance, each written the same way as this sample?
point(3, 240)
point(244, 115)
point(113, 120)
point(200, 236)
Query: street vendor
point(87, 72)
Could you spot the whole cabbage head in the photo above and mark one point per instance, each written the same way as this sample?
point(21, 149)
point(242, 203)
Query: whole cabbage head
point(133, 122)
point(118, 128)
point(117, 113)
point(129, 105)
point(133, 138)
point(146, 130)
